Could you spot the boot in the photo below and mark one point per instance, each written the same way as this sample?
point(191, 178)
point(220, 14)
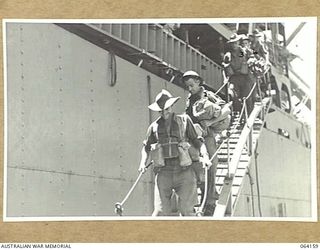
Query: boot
point(209, 210)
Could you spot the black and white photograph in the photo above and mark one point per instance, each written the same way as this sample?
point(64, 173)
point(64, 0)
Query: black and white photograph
point(160, 119)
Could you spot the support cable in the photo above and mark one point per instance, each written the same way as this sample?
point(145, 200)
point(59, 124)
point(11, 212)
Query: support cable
point(257, 179)
point(251, 192)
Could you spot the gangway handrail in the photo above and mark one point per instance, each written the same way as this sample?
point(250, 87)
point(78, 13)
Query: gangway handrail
point(234, 128)
point(224, 199)
point(245, 134)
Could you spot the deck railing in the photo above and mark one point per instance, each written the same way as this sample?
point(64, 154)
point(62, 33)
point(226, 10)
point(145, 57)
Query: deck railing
point(176, 53)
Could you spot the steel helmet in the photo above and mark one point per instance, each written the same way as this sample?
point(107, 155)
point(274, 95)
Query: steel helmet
point(191, 73)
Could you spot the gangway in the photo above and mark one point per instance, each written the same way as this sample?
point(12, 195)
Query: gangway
point(234, 157)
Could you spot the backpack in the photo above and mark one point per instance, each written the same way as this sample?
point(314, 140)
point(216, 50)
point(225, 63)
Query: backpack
point(221, 122)
point(182, 123)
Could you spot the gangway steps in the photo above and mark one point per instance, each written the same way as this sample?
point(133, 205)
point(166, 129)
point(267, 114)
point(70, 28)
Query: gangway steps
point(224, 151)
point(233, 162)
point(222, 172)
point(241, 165)
point(240, 173)
point(222, 167)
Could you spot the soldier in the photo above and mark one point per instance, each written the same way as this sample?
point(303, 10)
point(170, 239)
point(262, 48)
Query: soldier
point(257, 46)
point(168, 141)
point(196, 92)
point(236, 68)
point(252, 61)
point(260, 65)
point(246, 44)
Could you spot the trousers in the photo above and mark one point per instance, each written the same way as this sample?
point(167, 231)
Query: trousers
point(211, 145)
point(183, 183)
point(242, 86)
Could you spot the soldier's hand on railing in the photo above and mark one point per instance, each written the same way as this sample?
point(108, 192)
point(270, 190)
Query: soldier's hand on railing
point(142, 167)
point(206, 161)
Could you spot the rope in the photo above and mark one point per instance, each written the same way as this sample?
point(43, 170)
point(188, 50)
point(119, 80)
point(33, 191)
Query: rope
point(200, 212)
point(221, 87)
point(134, 185)
point(118, 205)
point(132, 188)
point(251, 91)
point(257, 179)
point(251, 192)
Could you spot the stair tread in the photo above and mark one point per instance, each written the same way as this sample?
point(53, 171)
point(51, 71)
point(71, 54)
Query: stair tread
point(237, 181)
point(232, 146)
point(241, 165)
point(218, 189)
point(233, 141)
point(222, 172)
point(223, 159)
point(241, 172)
point(219, 181)
point(225, 152)
point(235, 190)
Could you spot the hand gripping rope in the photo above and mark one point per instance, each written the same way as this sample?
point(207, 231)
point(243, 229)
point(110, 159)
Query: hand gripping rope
point(119, 205)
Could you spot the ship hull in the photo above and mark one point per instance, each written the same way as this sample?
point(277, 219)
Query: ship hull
point(280, 172)
point(74, 139)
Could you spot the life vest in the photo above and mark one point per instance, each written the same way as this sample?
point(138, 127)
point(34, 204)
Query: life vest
point(174, 144)
point(167, 137)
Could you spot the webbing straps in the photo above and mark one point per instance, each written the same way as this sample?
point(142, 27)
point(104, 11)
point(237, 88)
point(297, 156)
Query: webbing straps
point(182, 123)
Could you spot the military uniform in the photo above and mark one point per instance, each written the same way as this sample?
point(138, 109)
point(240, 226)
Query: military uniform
point(239, 76)
point(210, 142)
point(170, 174)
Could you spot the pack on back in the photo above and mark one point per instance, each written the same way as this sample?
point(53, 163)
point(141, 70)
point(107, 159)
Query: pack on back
point(213, 112)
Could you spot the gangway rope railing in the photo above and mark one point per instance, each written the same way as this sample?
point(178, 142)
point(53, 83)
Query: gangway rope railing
point(221, 208)
point(222, 86)
point(249, 125)
point(233, 129)
point(205, 195)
